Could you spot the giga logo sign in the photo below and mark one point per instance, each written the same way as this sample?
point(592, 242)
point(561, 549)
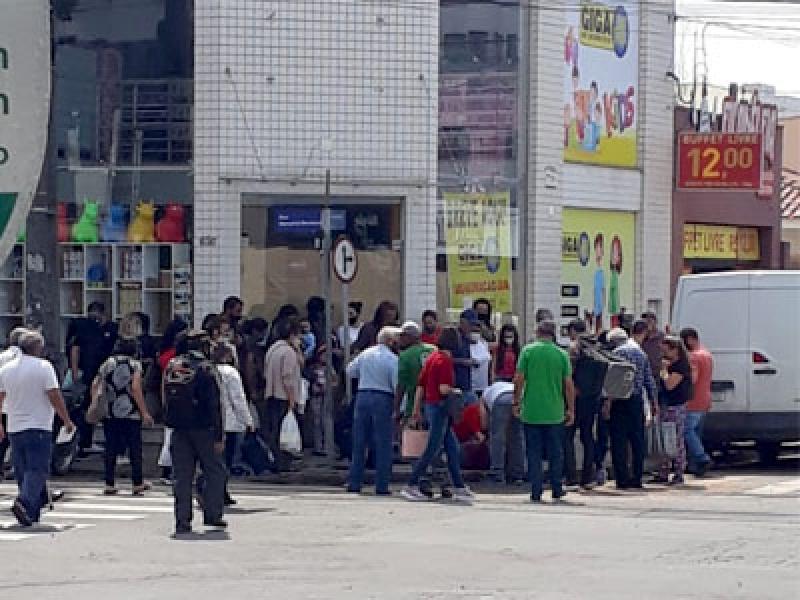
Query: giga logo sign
point(24, 109)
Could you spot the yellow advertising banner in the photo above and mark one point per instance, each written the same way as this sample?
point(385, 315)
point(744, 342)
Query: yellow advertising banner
point(598, 250)
point(478, 238)
point(720, 242)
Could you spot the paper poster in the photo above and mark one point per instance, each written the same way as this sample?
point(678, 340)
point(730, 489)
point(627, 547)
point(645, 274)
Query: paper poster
point(601, 84)
point(478, 241)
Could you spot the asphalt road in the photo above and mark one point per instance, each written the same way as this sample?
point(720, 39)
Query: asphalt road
point(733, 535)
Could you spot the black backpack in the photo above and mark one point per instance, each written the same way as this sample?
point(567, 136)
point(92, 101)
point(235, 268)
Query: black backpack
point(184, 408)
point(598, 370)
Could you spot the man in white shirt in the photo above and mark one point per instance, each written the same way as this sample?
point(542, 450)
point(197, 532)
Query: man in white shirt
point(506, 439)
point(30, 393)
point(6, 356)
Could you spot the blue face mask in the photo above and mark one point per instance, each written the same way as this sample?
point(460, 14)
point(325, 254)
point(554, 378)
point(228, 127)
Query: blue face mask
point(309, 344)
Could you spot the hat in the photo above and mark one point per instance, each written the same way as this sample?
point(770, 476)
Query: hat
point(411, 328)
point(471, 316)
point(617, 335)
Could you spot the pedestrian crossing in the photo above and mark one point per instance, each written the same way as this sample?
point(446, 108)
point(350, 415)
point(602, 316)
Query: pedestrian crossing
point(81, 508)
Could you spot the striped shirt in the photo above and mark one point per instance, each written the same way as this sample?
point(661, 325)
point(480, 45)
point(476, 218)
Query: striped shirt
point(643, 378)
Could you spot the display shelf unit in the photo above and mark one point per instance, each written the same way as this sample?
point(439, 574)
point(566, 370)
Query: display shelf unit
point(154, 278)
point(12, 292)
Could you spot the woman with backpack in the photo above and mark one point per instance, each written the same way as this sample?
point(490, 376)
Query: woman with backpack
point(118, 385)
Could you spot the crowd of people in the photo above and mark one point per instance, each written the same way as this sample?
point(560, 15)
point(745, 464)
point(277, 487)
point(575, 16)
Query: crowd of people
point(484, 399)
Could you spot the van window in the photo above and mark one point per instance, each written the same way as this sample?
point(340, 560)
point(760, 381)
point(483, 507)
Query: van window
point(720, 317)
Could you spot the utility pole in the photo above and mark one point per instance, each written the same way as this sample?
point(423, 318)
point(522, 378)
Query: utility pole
point(328, 408)
point(41, 250)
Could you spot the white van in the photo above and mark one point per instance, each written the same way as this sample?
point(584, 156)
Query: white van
point(750, 321)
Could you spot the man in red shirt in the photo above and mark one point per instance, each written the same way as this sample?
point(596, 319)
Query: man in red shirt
point(700, 403)
point(430, 328)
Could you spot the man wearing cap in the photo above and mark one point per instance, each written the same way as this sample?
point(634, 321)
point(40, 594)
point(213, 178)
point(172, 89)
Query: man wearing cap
point(376, 371)
point(627, 415)
point(542, 387)
point(462, 357)
point(409, 364)
point(193, 411)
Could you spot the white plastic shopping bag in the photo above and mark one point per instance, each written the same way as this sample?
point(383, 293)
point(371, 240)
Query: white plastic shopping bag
point(291, 441)
point(669, 438)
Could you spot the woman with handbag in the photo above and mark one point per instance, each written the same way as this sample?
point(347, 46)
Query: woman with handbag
point(675, 388)
point(436, 389)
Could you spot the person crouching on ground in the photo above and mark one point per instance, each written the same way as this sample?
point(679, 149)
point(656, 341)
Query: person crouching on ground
point(376, 371)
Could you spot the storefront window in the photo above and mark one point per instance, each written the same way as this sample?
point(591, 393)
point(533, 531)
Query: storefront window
point(123, 134)
point(478, 157)
point(281, 237)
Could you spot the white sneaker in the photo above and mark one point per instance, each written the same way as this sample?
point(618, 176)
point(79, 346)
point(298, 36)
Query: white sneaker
point(464, 494)
point(412, 493)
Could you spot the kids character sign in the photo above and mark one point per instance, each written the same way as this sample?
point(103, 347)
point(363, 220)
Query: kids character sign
point(601, 61)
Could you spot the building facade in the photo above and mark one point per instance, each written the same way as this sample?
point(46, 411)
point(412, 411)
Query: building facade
point(726, 229)
point(512, 151)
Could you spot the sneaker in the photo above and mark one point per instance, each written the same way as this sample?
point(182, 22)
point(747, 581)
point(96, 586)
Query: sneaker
point(559, 497)
point(216, 523)
point(676, 480)
point(183, 529)
point(110, 490)
point(21, 513)
point(230, 500)
point(447, 492)
point(412, 493)
point(536, 499)
point(463, 494)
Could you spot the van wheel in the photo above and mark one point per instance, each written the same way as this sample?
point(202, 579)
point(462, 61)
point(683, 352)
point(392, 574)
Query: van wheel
point(768, 453)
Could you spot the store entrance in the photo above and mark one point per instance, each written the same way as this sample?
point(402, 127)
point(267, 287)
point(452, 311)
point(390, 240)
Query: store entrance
point(281, 263)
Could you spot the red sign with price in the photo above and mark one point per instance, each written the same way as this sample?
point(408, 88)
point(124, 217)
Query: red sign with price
point(719, 161)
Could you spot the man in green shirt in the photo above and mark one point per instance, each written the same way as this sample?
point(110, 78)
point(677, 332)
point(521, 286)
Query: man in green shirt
point(542, 384)
point(409, 365)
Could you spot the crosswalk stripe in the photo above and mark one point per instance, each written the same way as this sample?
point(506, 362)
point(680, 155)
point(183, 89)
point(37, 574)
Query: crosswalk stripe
point(97, 516)
point(112, 507)
point(7, 536)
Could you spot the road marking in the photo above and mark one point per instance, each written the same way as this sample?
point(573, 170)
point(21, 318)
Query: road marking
point(97, 516)
point(111, 507)
point(789, 486)
point(7, 536)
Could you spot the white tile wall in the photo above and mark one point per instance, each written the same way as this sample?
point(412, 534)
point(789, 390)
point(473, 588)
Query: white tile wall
point(647, 190)
point(287, 89)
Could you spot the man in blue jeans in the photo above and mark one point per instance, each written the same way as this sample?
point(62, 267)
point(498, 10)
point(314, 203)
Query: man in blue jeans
point(542, 385)
point(30, 394)
point(376, 371)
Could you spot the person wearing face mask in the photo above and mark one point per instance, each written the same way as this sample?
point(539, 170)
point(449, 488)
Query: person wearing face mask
point(462, 356)
point(283, 367)
point(348, 334)
point(506, 353)
point(90, 341)
point(481, 374)
point(483, 310)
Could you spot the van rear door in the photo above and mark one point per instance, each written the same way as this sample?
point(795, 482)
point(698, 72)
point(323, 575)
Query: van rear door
point(719, 312)
point(775, 347)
